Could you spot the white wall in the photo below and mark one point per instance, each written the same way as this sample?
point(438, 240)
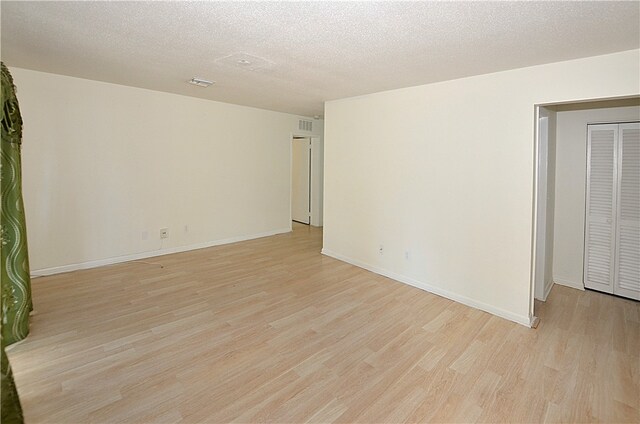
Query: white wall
point(571, 166)
point(105, 163)
point(317, 178)
point(547, 182)
point(445, 172)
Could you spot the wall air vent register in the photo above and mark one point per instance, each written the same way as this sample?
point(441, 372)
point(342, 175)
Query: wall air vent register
point(305, 125)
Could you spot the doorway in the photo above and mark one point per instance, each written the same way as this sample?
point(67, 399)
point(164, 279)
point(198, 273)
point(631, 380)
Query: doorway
point(560, 194)
point(301, 180)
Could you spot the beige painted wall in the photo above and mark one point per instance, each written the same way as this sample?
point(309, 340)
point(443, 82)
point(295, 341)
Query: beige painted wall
point(550, 200)
point(317, 177)
point(104, 164)
point(571, 168)
point(442, 174)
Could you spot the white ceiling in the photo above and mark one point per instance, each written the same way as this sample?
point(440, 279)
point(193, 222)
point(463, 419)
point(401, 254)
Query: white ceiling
point(304, 53)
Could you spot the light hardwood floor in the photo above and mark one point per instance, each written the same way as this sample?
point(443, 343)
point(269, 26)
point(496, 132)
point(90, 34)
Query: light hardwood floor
point(270, 330)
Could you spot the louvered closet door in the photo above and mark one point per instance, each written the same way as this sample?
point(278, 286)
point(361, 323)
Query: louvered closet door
point(627, 270)
point(601, 198)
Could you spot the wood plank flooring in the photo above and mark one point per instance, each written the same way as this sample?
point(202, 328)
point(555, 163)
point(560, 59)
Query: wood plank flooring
point(270, 330)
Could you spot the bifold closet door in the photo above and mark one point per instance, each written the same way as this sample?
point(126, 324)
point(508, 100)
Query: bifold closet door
point(627, 254)
point(612, 228)
point(601, 199)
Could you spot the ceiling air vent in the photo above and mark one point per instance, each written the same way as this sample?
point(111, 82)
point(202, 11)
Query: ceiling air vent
point(200, 82)
point(305, 125)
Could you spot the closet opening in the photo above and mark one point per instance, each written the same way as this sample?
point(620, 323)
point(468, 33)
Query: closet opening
point(586, 227)
point(301, 180)
point(307, 174)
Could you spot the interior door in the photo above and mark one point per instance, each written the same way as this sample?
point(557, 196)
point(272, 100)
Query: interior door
point(301, 180)
point(627, 276)
point(601, 198)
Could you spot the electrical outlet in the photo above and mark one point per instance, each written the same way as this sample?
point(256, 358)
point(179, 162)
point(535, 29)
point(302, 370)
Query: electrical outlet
point(164, 233)
point(381, 249)
point(407, 255)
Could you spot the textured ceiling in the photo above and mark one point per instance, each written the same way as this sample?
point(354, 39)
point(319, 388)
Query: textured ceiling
point(304, 53)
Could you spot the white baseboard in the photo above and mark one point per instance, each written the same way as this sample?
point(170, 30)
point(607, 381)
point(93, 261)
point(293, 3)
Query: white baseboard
point(547, 290)
point(520, 319)
point(150, 254)
point(568, 283)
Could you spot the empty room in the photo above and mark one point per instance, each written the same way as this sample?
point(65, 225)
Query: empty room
point(291, 212)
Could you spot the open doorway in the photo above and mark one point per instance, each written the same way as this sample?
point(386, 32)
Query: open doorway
point(307, 164)
point(561, 196)
point(301, 180)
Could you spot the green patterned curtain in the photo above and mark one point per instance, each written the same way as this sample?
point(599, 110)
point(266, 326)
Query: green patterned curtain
point(11, 409)
point(16, 283)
